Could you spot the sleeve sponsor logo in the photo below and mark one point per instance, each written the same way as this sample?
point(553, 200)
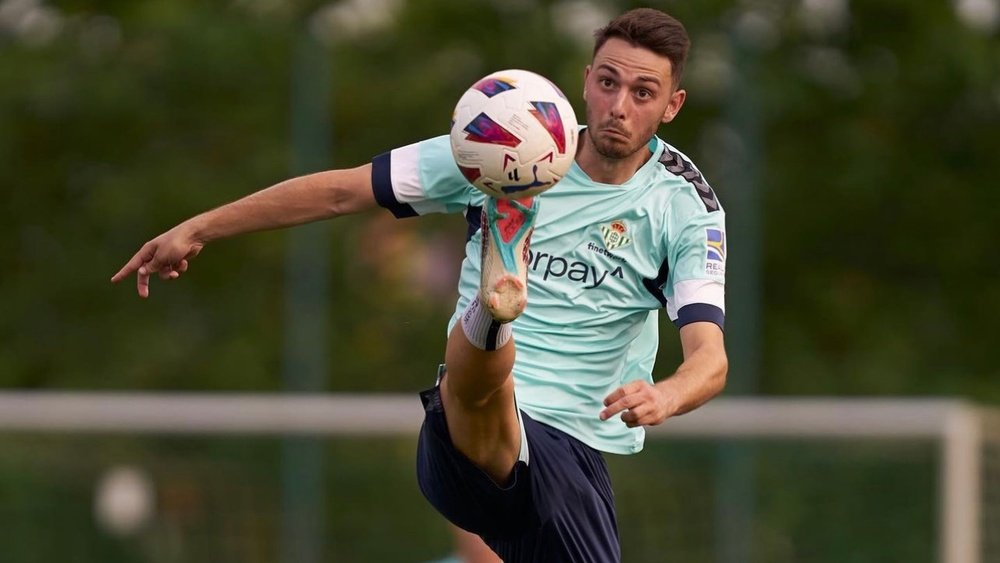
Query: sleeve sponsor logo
point(715, 251)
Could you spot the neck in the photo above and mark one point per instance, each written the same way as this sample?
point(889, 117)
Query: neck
point(607, 170)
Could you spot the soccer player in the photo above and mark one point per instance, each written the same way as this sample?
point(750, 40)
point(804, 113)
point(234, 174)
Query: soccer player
point(511, 444)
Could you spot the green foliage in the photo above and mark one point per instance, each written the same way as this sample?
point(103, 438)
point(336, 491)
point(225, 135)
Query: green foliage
point(878, 222)
point(878, 207)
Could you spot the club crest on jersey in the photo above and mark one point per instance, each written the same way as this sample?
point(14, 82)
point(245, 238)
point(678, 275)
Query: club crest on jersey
point(715, 251)
point(615, 234)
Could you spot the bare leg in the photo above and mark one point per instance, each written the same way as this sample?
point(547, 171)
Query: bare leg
point(478, 389)
point(471, 549)
point(478, 398)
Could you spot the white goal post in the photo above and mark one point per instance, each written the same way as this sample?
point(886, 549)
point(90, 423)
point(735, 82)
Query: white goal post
point(961, 429)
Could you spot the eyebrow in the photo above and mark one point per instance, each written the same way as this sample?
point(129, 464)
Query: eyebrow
point(641, 78)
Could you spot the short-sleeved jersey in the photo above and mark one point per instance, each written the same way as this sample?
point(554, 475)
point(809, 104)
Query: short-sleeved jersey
point(603, 259)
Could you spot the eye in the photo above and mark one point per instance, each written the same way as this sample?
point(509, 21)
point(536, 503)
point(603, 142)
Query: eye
point(643, 94)
point(606, 82)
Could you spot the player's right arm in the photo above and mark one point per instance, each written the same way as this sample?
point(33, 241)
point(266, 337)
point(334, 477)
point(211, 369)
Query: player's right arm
point(323, 195)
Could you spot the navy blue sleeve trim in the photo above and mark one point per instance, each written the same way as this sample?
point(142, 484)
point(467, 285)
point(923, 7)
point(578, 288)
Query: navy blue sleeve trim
point(655, 286)
point(474, 217)
point(700, 312)
point(382, 187)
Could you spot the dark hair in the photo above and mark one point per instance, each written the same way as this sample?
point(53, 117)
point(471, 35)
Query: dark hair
point(653, 30)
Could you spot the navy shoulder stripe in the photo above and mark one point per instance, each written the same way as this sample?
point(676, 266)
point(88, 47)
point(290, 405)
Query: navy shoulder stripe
point(680, 166)
point(382, 187)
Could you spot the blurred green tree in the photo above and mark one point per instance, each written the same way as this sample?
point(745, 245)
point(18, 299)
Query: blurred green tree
point(121, 118)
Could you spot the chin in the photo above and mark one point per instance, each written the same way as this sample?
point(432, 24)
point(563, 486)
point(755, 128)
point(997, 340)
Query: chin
point(613, 152)
point(607, 148)
point(613, 149)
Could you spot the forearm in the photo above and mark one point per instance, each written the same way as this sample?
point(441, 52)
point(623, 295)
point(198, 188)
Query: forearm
point(700, 377)
point(304, 199)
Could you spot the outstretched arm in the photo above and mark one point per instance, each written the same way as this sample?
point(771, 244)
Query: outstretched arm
point(701, 376)
point(296, 201)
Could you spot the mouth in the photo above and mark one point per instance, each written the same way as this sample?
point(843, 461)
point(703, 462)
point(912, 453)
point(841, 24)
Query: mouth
point(615, 133)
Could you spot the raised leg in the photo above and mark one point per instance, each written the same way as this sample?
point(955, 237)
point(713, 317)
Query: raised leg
point(478, 389)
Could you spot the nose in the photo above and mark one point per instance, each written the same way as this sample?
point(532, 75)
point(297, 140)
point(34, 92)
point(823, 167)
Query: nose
point(619, 105)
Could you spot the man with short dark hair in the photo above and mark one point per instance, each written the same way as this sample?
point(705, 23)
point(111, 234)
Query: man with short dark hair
point(511, 444)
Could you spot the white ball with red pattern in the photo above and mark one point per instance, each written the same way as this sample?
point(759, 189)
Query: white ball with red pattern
point(513, 134)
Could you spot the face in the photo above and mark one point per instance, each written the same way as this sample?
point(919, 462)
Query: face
point(629, 93)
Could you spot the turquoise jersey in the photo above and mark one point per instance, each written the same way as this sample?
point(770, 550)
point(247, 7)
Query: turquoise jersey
point(603, 259)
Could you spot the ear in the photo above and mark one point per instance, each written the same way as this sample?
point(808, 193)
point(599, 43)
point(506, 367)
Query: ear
point(674, 106)
point(586, 74)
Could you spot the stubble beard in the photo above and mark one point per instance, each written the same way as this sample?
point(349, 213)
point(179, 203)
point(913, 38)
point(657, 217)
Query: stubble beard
point(611, 150)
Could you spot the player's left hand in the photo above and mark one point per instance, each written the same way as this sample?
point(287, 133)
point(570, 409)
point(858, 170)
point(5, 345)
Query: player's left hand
point(640, 402)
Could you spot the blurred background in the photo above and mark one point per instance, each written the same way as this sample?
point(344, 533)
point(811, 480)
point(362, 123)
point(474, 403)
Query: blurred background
point(852, 143)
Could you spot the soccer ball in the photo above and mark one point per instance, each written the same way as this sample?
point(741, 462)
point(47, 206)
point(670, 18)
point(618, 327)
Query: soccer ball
point(513, 134)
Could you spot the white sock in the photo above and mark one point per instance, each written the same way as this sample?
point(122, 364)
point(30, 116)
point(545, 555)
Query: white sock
point(482, 330)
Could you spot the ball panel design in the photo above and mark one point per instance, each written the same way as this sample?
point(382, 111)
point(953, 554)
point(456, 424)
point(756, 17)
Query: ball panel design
point(513, 134)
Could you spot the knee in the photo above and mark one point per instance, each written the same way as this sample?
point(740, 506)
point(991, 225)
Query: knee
point(474, 391)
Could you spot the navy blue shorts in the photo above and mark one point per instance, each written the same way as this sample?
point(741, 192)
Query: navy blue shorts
point(559, 508)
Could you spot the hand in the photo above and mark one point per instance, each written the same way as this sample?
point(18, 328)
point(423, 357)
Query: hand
point(166, 255)
point(643, 403)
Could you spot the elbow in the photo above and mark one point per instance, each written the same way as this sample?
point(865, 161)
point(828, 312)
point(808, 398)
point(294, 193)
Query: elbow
point(721, 373)
point(348, 191)
point(341, 203)
point(345, 199)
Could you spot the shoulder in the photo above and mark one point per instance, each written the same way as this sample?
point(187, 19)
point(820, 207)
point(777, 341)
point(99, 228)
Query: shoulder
point(412, 157)
point(678, 172)
point(420, 178)
point(433, 148)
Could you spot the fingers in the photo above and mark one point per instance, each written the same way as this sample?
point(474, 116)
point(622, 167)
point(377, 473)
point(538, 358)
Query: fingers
point(156, 257)
point(638, 402)
point(142, 282)
point(619, 400)
point(146, 270)
point(165, 272)
point(625, 404)
point(615, 395)
point(144, 255)
point(641, 415)
point(168, 272)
